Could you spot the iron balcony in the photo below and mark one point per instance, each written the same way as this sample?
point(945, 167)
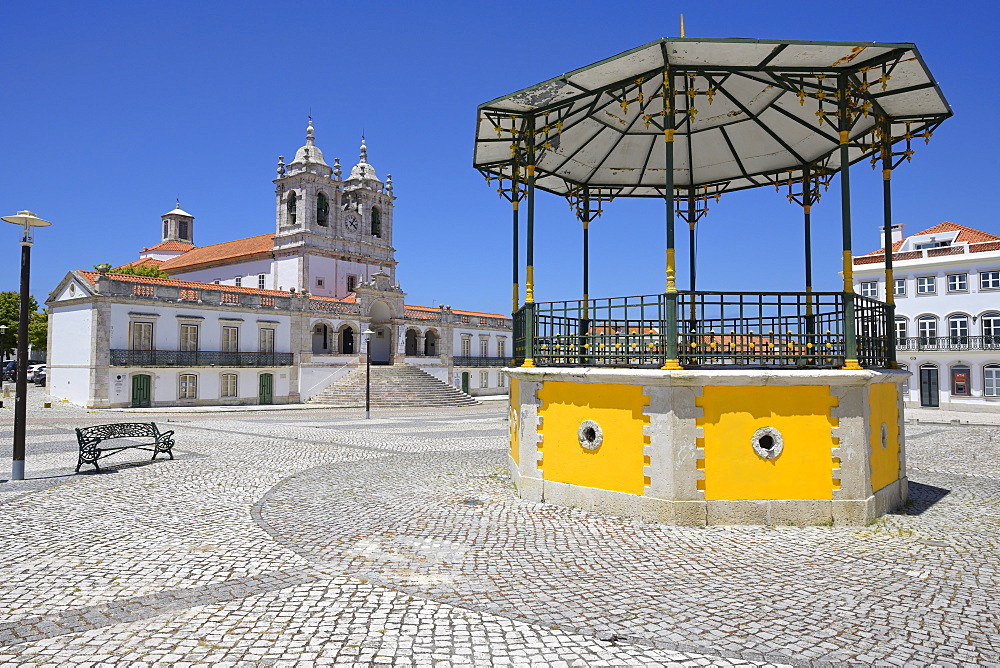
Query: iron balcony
point(154, 358)
point(949, 343)
point(483, 361)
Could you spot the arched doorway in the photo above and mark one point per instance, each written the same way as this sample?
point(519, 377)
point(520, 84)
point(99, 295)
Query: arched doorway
point(320, 339)
point(380, 345)
point(411, 343)
point(430, 343)
point(347, 341)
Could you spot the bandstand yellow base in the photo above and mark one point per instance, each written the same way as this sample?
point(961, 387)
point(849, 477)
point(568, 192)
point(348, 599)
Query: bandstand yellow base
point(697, 447)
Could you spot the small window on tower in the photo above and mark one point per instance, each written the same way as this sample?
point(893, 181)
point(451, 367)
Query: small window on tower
point(352, 282)
point(322, 210)
point(291, 206)
point(319, 282)
point(166, 229)
point(376, 222)
point(182, 230)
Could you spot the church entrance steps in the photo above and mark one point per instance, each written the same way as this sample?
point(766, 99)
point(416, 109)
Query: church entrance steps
point(392, 387)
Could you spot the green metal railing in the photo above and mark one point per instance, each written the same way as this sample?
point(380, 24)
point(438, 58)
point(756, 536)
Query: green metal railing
point(714, 329)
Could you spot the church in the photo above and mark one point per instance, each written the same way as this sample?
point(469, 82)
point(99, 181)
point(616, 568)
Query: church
point(276, 318)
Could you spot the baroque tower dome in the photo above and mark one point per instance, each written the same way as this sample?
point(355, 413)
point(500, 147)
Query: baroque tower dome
point(363, 171)
point(309, 157)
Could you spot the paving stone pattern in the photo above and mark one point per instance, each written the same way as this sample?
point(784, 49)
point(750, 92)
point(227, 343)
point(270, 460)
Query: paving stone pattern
point(316, 537)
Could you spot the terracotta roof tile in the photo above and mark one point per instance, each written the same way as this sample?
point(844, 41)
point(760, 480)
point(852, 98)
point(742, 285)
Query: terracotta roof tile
point(91, 276)
point(230, 250)
point(143, 262)
point(475, 313)
point(171, 246)
point(965, 235)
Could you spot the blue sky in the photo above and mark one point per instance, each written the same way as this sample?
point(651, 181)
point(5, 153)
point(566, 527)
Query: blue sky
point(112, 109)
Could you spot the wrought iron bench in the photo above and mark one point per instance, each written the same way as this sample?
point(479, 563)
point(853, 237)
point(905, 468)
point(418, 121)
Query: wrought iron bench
point(90, 438)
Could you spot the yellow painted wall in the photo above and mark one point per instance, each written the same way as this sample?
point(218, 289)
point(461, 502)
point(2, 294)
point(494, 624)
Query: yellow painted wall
point(618, 464)
point(733, 471)
point(514, 421)
point(882, 401)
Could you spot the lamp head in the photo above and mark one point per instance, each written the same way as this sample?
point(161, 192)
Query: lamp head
point(27, 220)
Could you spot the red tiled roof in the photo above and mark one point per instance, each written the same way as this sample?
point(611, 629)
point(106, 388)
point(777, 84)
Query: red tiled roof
point(91, 276)
point(142, 262)
point(475, 313)
point(171, 246)
point(243, 249)
point(965, 235)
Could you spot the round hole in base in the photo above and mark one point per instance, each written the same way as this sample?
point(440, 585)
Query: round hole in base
point(590, 435)
point(767, 442)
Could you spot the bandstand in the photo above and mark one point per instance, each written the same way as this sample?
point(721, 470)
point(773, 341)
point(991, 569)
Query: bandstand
point(694, 407)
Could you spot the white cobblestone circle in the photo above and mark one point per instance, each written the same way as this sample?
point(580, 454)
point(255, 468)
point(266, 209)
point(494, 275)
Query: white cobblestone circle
point(767, 442)
point(590, 435)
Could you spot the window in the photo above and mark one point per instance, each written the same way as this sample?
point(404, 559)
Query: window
point(990, 323)
point(166, 229)
point(958, 282)
point(484, 347)
point(376, 222)
point(484, 379)
point(899, 287)
point(291, 206)
point(991, 380)
point(260, 281)
point(322, 210)
point(989, 280)
point(926, 285)
point(187, 386)
point(189, 337)
point(352, 282)
point(230, 339)
point(217, 281)
point(927, 329)
point(931, 244)
point(266, 340)
point(466, 346)
point(869, 289)
point(319, 282)
point(501, 379)
point(960, 381)
point(958, 328)
point(142, 336)
point(239, 281)
point(900, 330)
point(230, 385)
point(501, 348)
point(182, 230)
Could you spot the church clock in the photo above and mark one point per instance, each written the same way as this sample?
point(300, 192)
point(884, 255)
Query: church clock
point(352, 222)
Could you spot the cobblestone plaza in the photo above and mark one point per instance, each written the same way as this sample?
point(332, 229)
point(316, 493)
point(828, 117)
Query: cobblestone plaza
point(302, 537)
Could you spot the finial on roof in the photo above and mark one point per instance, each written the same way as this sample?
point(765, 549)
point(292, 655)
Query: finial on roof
point(309, 133)
point(177, 200)
point(682, 26)
point(336, 169)
point(364, 150)
point(388, 183)
point(281, 165)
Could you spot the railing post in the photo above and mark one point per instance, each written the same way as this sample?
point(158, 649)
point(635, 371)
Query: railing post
point(850, 324)
point(672, 362)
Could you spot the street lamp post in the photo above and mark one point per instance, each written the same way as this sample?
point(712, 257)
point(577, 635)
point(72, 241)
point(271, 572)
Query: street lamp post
point(368, 372)
point(27, 220)
point(3, 356)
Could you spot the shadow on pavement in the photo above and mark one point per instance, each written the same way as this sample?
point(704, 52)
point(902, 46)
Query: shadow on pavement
point(921, 498)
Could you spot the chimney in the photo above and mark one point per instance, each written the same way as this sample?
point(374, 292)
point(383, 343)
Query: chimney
point(897, 233)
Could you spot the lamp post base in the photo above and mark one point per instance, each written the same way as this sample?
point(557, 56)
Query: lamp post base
point(17, 470)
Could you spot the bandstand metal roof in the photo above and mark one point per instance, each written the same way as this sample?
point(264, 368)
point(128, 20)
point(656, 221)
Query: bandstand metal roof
point(745, 111)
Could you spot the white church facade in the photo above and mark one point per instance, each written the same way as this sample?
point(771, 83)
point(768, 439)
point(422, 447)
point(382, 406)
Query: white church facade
point(274, 318)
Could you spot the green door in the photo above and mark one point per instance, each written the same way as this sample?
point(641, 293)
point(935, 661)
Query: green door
point(465, 382)
point(266, 394)
point(140, 390)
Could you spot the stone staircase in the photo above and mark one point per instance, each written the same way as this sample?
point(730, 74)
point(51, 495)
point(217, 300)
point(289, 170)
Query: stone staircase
point(392, 387)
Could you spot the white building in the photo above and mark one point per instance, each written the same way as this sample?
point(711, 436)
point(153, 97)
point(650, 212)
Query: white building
point(274, 318)
point(947, 292)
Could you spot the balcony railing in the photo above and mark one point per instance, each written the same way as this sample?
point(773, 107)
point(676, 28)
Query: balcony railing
point(949, 343)
point(152, 358)
point(483, 361)
point(713, 329)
